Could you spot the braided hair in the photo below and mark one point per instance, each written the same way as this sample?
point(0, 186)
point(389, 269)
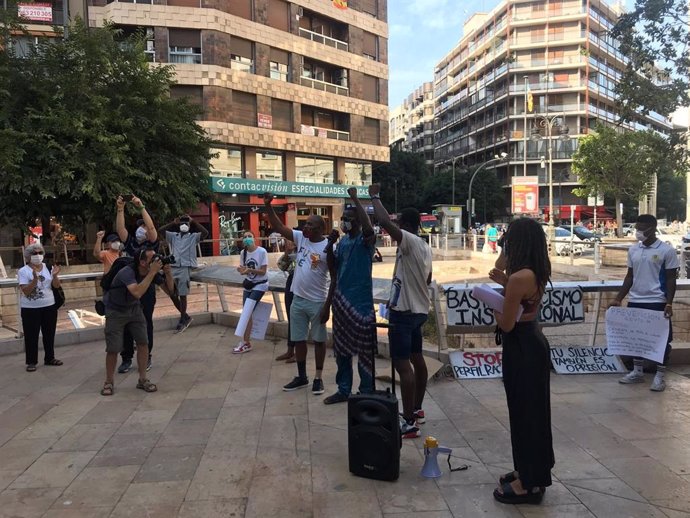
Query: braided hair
point(528, 250)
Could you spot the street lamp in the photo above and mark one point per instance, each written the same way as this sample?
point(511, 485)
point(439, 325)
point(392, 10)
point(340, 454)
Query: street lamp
point(497, 159)
point(452, 198)
point(548, 123)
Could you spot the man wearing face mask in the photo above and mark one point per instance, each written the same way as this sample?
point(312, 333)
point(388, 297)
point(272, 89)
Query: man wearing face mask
point(183, 235)
point(310, 289)
point(651, 282)
point(113, 250)
point(354, 319)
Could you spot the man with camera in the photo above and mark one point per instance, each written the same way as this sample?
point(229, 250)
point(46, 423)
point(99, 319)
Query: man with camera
point(183, 235)
point(123, 311)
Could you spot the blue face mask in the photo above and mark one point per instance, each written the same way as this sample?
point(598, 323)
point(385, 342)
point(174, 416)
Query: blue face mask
point(248, 241)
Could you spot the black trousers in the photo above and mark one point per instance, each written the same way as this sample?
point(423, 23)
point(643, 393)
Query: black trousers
point(45, 321)
point(148, 304)
point(288, 302)
point(656, 306)
point(527, 381)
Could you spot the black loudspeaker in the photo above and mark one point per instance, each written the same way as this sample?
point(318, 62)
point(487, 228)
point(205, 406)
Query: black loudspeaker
point(374, 439)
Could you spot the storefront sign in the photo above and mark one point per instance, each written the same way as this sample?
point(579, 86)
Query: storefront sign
point(479, 363)
point(258, 187)
point(525, 194)
point(585, 360)
point(264, 121)
point(558, 306)
point(36, 12)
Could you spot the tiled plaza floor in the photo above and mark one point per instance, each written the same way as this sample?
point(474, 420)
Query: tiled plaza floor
point(221, 439)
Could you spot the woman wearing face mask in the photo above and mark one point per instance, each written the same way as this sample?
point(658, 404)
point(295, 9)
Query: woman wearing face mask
point(286, 264)
point(253, 265)
point(38, 306)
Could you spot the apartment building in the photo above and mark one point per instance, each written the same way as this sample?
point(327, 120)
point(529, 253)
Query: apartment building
point(295, 93)
point(554, 55)
point(411, 123)
point(40, 20)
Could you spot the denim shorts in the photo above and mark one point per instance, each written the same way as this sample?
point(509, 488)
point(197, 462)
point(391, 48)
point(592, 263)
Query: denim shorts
point(306, 314)
point(405, 333)
point(252, 295)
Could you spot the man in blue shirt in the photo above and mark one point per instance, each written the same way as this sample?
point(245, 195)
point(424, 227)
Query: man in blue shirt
point(350, 293)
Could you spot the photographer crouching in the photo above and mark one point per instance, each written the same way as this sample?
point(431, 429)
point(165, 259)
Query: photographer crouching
point(124, 311)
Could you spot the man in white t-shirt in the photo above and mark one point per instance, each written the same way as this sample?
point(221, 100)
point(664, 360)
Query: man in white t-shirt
point(651, 284)
point(408, 309)
point(310, 290)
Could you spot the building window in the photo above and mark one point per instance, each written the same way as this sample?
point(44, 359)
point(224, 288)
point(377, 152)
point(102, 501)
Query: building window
point(150, 45)
point(243, 108)
point(357, 173)
point(228, 163)
point(370, 89)
point(194, 94)
point(278, 15)
point(281, 111)
point(242, 8)
point(370, 47)
point(314, 169)
point(185, 46)
point(279, 60)
point(22, 46)
point(370, 7)
point(372, 132)
point(269, 165)
point(241, 55)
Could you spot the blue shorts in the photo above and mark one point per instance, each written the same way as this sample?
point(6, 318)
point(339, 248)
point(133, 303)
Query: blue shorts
point(306, 314)
point(405, 333)
point(252, 294)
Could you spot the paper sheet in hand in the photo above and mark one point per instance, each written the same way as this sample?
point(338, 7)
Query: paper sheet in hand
point(492, 299)
point(637, 332)
point(260, 313)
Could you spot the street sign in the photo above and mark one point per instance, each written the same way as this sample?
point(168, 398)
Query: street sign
point(595, 201)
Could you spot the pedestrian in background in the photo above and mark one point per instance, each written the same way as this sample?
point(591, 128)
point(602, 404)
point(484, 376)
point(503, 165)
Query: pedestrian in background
point(286, 264)
point(37, 302)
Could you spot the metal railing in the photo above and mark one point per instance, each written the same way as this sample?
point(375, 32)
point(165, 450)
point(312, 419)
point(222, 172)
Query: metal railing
point(321, 38)
point(324, 86)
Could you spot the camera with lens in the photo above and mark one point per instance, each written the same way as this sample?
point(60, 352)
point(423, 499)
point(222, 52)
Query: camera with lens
point(165, 259)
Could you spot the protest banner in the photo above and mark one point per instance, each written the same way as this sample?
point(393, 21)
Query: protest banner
point(585, 360)
point(637, 332)
point(478, 363)
point(260, 313)
point(558, 306)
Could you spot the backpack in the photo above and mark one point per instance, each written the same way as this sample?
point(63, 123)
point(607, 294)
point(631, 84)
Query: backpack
point(119, 264)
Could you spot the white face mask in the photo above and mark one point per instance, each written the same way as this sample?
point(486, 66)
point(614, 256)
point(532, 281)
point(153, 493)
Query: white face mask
point(184, 228)
point(346, 226)
point(36, 259)
point(115, 245)
point(640, 236)
point(141, 234)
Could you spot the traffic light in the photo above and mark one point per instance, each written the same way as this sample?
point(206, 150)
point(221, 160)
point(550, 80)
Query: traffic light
point(530, 102)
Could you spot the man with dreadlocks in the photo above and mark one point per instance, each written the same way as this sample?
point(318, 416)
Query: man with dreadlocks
point(350, 294)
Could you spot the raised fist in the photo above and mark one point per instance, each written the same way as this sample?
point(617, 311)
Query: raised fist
point(374, 189)
point(268, 198)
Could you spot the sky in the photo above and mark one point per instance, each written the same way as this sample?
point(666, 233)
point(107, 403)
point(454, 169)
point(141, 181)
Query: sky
point(421, 32)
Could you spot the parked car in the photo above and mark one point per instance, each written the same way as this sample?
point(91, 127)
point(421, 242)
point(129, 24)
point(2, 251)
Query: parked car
point(670, 238)
point(628, 229)
point(563, 240)
point(583, 233)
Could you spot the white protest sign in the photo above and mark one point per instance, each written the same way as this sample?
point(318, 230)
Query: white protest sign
point(558, 306)
point(246, 314)
point(260, 318)
point(477, 363)
point(585, 360)
point(637, 332)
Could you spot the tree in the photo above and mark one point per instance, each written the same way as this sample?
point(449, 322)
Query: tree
point(87, 118)
point(655, 36)
point(401, 180)
point(621, 164)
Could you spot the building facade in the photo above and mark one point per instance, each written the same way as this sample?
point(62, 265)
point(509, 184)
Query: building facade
point(294, 93)
point(411, 123)
point(518, 68)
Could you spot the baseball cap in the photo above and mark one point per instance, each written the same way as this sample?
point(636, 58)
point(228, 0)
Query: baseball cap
point(111, 238)
point(140, 222)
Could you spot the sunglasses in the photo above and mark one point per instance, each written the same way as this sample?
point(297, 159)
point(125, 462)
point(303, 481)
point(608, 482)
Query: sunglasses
point(37, 252)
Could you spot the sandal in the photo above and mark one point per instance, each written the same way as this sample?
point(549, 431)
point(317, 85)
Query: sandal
point(147, 386)
point(30, 368)
point(509, 496)
point(284, 356)
point(54, 362)
point(107, 389)
point(508, 478)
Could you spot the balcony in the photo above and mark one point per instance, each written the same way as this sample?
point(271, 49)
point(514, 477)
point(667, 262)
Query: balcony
point(315, 131)
point(325, 40)
point(324, 86)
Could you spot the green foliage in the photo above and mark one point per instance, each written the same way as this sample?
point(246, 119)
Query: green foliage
point(405, 173)
point(655, 36)
point(87, 118)
point(620, 164)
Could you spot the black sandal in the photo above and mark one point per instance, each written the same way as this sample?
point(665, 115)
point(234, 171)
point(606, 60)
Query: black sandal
point(507, 478)
point(509, 496)
point(54, 362)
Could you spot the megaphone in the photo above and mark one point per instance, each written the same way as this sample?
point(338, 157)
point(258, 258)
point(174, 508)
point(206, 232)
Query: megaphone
point(431, 451)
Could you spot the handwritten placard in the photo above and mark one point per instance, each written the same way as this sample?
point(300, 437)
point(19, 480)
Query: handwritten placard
point(637, 332)
point(558, 306)
point(479, 363)
point(585, 360)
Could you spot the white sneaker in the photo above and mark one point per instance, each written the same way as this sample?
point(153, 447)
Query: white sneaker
point(243, 347)
point(658, 385)
point(632, 377)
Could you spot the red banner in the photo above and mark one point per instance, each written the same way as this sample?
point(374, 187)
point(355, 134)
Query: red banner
point(36, 12)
